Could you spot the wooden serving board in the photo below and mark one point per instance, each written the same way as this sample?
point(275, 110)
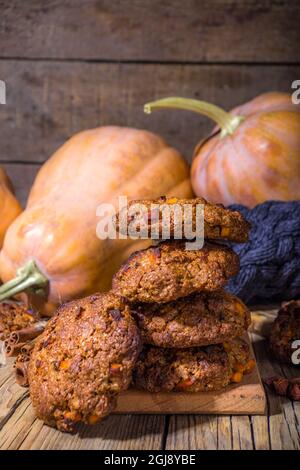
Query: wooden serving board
point(248, 397)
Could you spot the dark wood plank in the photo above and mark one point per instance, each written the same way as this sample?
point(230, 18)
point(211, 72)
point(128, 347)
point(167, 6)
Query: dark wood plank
point(116, 432)
point(22, 176)
point(11, 394)
point(152, 30)
point(193, 432)
point(209, 432)
point(49, 101)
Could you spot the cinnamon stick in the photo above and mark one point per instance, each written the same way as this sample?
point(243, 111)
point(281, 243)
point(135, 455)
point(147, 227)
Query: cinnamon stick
point(12, 349)
point(28, 333)
point(27, 348)
point(21, 371)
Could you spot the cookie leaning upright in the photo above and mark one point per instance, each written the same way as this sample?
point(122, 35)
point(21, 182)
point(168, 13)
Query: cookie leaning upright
point(81, 362)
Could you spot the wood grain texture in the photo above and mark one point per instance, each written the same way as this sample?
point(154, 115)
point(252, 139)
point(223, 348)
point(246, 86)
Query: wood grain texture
point(152, 30)
point(210, 433)
point(11, 395)
point(14, 431)
point(117, 432)
point(247, 398)
point(47, 102)
point(24, 431)
point(22, 177)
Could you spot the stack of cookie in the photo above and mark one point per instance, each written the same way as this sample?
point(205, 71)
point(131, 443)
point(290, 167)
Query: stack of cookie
point(190, 326)
point(91, 349)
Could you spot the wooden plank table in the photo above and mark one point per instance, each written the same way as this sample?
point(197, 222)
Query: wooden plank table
point(278, 429)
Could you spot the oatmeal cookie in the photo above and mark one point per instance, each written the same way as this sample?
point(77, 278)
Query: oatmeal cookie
point(285, 330)
point(192, 370)
point(83, 360)
point(219, 222)
point(197, 320)
point(168, 271)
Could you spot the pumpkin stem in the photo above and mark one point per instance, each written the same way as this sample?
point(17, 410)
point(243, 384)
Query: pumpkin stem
point(29, 276)
point(227, 122)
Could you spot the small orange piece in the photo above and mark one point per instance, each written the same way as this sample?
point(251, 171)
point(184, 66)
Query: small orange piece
point(249, 366)
point(184, 384)
point(237, 377)
point(73, 416)
point(238, 367)
point(115, 369)
point(65, 364)
point(225, 231)
point(93, 419)
point(239, 308)
point(28, 317)
point(172, 200)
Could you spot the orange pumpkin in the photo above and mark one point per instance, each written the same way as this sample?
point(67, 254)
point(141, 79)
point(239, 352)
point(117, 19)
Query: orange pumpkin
point(9, 206)
point(252, 156)
point(52, 248)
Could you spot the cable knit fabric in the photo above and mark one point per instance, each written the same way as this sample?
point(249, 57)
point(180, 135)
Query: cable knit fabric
point(270, 261)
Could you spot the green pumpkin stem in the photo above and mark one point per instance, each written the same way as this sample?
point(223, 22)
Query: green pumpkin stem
point(227, 122)
point(29, 276)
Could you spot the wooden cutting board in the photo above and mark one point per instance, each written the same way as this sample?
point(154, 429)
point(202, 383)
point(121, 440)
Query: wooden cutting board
point(247, 397)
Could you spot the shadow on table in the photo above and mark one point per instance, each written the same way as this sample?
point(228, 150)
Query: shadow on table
point(149, 429)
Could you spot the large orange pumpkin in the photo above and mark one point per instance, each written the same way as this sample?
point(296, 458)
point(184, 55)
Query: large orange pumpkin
point(9, 206)
point(52, 248)
point(252, 156)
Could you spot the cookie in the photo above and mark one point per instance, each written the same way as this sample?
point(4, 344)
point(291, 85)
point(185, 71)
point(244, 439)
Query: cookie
point(219, 223)
point(192, 370)
point(285, 331)
point(82, 361)
point(197, 320)
point(169, 271)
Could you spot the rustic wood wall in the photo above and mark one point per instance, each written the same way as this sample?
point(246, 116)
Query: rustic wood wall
point(75, 64)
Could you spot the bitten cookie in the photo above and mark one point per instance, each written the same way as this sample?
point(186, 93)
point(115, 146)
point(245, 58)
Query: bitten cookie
point(219, 222)
point(192, 370)
point(168, 271)
point(197, 320)
point(83, 360)
point(285, 330)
